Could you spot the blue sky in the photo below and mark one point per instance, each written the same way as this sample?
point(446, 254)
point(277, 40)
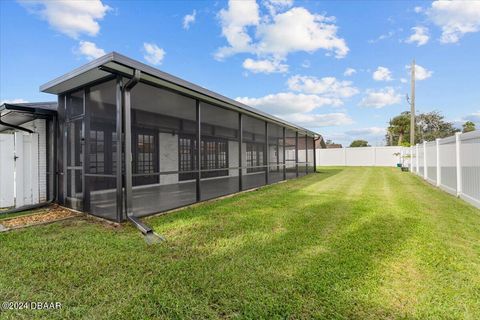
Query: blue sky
point(336, 67)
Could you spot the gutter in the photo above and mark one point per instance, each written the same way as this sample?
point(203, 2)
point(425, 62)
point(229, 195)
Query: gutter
point(13, 126)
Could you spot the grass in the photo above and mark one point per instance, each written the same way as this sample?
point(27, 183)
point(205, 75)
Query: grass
point(362, 243)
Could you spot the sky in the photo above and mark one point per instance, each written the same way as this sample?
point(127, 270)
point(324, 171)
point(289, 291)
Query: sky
point(339, 68)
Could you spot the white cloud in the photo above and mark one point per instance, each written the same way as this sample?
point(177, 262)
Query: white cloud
point(455, 18)
point(90, 50)
point(189, 19)
point(16, 100)
point(288, 102)
point(418, 9)
point(319, 120)
point(299, 30)
point(72, 18)
point(381, 37)
point(327, 86)
point(371, 131)
point(264, 66)
point(419, 36)
point(403, 80)
point(382, 74)
point(274, 6)
point(380, 98)
point(234, 21)
point(421, 73)
point(278, 34)
point(349, 72)
point(153, 54)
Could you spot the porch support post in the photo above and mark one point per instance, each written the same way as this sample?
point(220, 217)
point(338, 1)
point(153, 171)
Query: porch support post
point(284, 154)
point(296, 153)
point(266, 153)
point(240, 151)
point(199, 150)
point(118, 159)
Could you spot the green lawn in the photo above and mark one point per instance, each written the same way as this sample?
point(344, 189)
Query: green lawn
point(361, 243)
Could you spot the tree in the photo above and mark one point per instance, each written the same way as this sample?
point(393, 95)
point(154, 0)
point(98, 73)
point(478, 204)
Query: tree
point(359, 143)
point(399, 129)
point(429, 126)
point(432, 126)
point(468, 126)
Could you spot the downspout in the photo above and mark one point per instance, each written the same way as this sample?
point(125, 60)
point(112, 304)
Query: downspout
point(150, 236)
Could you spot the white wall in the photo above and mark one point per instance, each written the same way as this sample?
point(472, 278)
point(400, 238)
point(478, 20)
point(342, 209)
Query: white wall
point(168, 157)
point(363, 156)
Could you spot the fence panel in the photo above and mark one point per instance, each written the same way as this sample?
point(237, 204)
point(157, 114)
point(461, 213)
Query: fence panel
point(364, 156)
point(421, 156)
point(448, 165)
point(431, 150)
point(360, 156)
point(470, 167)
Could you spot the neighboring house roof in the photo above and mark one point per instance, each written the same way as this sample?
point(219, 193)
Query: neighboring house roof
point(115, 63)
point(334, 146)
point(13, 115)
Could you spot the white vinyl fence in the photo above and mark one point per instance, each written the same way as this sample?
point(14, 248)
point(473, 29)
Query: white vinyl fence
point(452, 163)
point(363, 156)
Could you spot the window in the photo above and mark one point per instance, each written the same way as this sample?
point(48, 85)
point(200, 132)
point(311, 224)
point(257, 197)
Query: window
point(97, 152)
point(187, 155)
point(214, 157)
point(254, 157)
point(145, 153)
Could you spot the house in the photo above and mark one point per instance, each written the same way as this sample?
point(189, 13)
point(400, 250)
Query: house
point(130, 140)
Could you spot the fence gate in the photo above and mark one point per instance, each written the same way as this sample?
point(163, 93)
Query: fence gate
point(7, 170)
point(18, 169)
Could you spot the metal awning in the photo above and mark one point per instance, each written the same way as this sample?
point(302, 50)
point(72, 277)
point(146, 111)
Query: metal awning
point(13, 115)
point(115, 63)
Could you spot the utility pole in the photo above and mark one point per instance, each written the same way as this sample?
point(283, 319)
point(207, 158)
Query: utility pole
point(412, 106)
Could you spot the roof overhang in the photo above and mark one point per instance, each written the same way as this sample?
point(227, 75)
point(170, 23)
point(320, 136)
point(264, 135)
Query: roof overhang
point(12, 116)
point(115, 63)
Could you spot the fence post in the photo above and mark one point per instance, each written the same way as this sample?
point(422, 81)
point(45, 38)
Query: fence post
point(439, 172)
point(345, 156)
point(411, 158)
point(416, 159)
point(425, 168)
point(458, 163)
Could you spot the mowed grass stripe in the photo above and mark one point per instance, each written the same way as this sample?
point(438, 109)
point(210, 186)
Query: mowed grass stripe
point(363, 243)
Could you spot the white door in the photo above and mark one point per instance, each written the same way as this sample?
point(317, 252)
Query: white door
point(26, 169)
point(7, 169)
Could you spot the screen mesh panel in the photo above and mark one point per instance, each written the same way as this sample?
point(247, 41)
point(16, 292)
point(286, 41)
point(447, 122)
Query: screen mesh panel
point(310, 155)
point(302, 155)
point(101, 141)
point(254, 148)
point(74, 151)
point(163, 150)
point(290, 157)
point(275, 146)
point(218, 151)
